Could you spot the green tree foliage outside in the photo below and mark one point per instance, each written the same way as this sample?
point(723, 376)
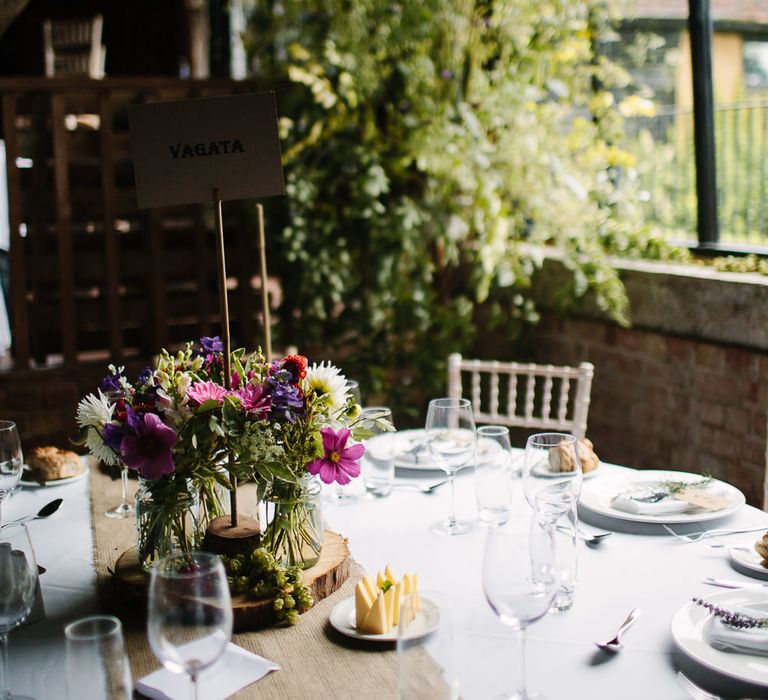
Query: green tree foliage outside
point(430, 147)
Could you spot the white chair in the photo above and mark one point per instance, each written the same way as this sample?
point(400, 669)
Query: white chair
point(524, 395)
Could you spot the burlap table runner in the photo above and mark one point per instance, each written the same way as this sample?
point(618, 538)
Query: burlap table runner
point(316, 661)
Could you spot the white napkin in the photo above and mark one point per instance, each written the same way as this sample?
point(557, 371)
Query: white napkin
point(625, 502)
point(236, 669)
point(725, 638)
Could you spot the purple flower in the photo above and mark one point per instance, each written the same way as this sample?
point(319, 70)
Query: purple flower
point(111, 383)
point(287, 399)
point(255, 399)
point(134, 420)
point(145, 375)
point(113, 435)
point(340, 462)
point(211, 345)
point(149, 450)
point(445, 73)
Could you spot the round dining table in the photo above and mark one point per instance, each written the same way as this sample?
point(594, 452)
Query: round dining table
point(639, 566)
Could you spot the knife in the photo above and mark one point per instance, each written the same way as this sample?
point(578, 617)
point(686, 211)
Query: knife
point(727, 583)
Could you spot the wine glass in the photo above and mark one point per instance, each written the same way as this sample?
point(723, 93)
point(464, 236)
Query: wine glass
point(18, 585)
point(190, 612)
point(11, 459)
point(125, 508)
point(97, 666)
point(340, 493)
point(552, 480)
point(518, 580)
point(493, 473)
point(551, 466)
point(450, 440)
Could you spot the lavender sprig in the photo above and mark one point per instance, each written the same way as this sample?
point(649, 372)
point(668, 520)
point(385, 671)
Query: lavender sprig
point(732, 618)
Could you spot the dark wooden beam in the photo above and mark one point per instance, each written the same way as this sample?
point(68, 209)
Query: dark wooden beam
point(700, 30)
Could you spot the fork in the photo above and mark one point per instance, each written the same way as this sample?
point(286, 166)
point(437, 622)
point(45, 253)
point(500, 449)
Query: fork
point(695, 691)
point(696, 536)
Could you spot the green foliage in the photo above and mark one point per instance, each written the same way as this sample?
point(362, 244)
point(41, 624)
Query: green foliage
point(423, 142)
point(260, 576)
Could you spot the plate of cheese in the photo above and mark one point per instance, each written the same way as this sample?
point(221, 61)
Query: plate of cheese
point(379, 607)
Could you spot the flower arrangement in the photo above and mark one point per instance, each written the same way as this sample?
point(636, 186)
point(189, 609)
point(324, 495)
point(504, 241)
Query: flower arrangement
point(278, 424)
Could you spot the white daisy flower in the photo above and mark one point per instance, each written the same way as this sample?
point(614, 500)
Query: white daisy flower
point(98, 449)
point(328, 384)
point(94, 411)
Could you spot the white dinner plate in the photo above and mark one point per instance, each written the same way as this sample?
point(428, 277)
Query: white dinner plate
point(747, 561)
point(596, 496)
point(24, 481)
point(413, 453)
point(343, 620)
point(689, 625)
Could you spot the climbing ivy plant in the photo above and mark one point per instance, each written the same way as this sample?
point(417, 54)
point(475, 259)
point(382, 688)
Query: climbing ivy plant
point(430, 148)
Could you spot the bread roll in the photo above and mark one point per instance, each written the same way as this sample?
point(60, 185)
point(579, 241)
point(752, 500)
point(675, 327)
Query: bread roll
point(561, 458)
point(52, 463)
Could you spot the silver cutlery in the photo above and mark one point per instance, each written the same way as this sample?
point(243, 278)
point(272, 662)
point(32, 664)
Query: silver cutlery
point(424, 488)
point(723, 545)
point(696, 536)
point(613, 645)
point(728, 583)
point(47, 510)
point(695, 691)
point(588, 537)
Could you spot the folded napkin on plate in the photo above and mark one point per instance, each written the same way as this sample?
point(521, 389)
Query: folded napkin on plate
point(744, 641)
point(236, 669)
point(627, 502)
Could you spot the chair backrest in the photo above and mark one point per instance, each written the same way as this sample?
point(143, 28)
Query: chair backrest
point(73, 47)
point(524, 395)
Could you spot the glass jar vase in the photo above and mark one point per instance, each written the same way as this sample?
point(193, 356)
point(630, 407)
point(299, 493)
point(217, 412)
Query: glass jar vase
point(167, 519)
point(295, 528)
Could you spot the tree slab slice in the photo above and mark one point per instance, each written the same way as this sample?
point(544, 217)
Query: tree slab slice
point(331, 571)
point(222, 538)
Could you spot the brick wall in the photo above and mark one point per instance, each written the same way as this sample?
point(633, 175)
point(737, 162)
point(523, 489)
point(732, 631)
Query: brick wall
point(664, 401)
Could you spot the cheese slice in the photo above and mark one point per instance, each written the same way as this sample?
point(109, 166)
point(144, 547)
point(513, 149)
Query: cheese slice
point(380, 580)
point(372, 592)
point(389, 605)
point(389, 576)
point(375, 621)
point(363, 603)
point(407, 586)
point(398, 598)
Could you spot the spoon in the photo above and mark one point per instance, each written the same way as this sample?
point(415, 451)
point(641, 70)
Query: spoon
point(588, 537)
point(44, 512)
point(424, 488)
point(614, 645)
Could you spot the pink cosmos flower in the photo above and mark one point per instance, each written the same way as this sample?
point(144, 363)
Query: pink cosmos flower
point(149, 450)
point(340, 462)
point(200, 392)
point(254, 398)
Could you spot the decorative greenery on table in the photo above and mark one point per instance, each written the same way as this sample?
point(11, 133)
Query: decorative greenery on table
point(178, 425)
point(423, 142)
point(260, 577)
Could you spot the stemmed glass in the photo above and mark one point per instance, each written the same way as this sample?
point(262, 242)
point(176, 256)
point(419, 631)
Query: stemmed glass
point(190, 612)
point(551, 466)
point(518, 580)
point(18, 584)
point(124, 508)
point(552, 479)
point(450, 440)
point(340, 494)
point(11, 459)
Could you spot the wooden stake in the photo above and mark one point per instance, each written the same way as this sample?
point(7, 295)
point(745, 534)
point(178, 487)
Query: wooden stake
point(264, 292)
point(224, 307)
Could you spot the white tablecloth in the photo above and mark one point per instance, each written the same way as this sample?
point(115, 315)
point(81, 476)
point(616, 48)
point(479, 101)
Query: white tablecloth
point(655, 573)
